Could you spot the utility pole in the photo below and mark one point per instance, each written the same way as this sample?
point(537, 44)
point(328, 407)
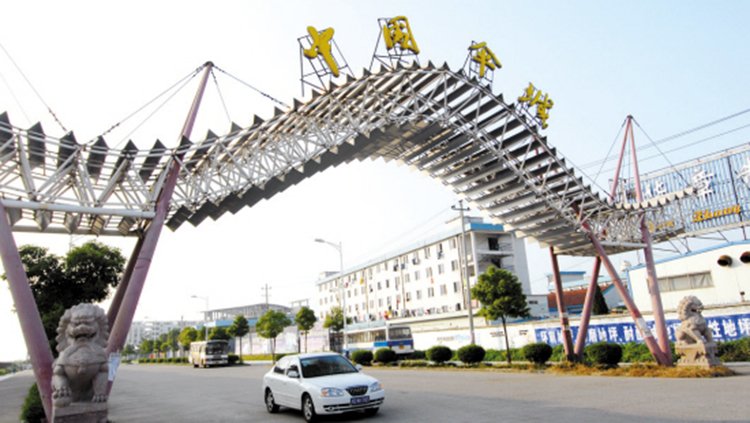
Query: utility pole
point(464, 269)
point(266, 288)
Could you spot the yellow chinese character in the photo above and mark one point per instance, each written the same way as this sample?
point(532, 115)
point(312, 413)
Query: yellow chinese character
point(321, 44)
point(398, 31)
point(533, 97)
point(485, 57)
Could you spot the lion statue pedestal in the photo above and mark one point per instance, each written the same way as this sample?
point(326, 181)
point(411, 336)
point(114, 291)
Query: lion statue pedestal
point(80, 373)
point(695, 342)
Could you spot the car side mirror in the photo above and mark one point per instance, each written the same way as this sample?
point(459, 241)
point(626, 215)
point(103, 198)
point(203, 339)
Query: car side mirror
point(358, 367)
point(293, 372)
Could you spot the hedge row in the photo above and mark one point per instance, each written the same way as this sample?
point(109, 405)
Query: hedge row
point(171, 360)
point(602, 353)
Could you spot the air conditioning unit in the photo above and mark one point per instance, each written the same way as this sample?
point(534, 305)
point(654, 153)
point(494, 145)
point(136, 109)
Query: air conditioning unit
point(415, 261)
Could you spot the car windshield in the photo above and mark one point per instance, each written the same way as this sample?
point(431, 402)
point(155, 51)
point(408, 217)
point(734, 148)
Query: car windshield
point(325, 366)
point(216, 348)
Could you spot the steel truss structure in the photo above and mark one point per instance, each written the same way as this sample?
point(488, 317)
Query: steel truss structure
point(441, 122)
point(436, 120)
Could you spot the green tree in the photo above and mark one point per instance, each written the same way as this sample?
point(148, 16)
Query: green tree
point(187, 335)
point(86, 274)
point(200, 334)
point(335, 319)
point(218, 333)
point(501, 296)
point(146, 347)
point(600, 305)
point(270, 325)
point(239, 328)
point(305, 320)
point(128, 350)
point(164, 347)
point(172, 335)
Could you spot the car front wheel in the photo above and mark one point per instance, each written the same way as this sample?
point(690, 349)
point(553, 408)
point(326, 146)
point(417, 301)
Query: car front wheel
point(271, 405)
point(308, 408)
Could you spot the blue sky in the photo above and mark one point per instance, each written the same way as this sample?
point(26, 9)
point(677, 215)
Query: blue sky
point(673, 65)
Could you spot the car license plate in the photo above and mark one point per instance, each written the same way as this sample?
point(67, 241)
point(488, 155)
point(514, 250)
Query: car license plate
point(360, 400)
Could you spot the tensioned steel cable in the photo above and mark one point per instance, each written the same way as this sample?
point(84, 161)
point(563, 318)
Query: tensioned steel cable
point(221, 97)
point(39, 96)
point(675, 136)
point(264, 94)
point(121, 121)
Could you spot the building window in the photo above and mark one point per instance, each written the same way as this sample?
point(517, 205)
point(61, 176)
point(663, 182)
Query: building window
point(408, 296)
point(380, 302)
point(379, 287)
point(454, 265)
point(452, 243)
point(456, 286)
point(416, 275)
point(443, 289)
point(406, 278)
point(419, 294)
point(387, 283)
point(372, 303)
point(428, 272)
point(430, 292)
point(426, 252)
point(441, 269)
point(685, 282)
point(533, 302)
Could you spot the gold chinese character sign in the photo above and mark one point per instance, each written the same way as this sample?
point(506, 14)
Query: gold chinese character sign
point(321, 45)
point(484, 57)
point(533, 97)
point(397, 32)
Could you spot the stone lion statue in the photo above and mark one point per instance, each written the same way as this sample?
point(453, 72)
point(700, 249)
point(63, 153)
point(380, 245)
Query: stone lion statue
point(695, 342)
point(79, 374)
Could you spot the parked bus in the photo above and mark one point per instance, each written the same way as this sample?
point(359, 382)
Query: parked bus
point(397, 338)
point(209, 353)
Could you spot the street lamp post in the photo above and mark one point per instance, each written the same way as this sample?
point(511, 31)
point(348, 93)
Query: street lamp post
point(339, 248)
point(205, 316)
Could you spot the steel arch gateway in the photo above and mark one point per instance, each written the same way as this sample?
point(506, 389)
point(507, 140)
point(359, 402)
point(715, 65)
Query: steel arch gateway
point(439, 121)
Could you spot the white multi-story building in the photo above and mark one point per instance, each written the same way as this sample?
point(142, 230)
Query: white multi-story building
point(425, 279)
point(152, 329)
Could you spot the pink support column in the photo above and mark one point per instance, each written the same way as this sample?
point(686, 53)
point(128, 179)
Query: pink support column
point(145, 254)
point(653, 283)
point(564, 320)
point(28, 313)
point(640, 323)
point(588, 304)
point(114, 307)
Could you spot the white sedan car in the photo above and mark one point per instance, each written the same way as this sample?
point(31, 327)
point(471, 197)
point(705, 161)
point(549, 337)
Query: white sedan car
point(323, 383)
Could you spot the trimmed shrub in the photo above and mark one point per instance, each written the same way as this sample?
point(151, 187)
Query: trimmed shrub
point(604, 353)
point(558, 353)
point(634, 352)
point(385, 355)
point(32, 409)
point(738, 350)
point(537, 353)
point(233, 359)
point(439, 354)
point(516, 354)
point(363, 357)
point(471, 354)
point(417, 355)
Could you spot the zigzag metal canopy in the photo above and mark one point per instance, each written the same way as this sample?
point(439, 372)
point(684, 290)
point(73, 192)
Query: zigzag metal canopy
point(434, 119)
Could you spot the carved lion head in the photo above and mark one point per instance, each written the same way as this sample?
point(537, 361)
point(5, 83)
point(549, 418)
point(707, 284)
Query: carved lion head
point(689, 306)
point(83, 323)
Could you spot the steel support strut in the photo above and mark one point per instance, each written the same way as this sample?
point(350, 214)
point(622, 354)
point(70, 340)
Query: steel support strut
point(588, 304)
point(28, 313)
point(564, 320)
point(125, 311)
point(640, 323)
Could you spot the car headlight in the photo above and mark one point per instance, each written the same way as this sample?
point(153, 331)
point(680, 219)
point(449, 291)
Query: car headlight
point(332, 392)
point(375, 387)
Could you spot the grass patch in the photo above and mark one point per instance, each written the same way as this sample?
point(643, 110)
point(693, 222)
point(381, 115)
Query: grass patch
point(641, 370)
